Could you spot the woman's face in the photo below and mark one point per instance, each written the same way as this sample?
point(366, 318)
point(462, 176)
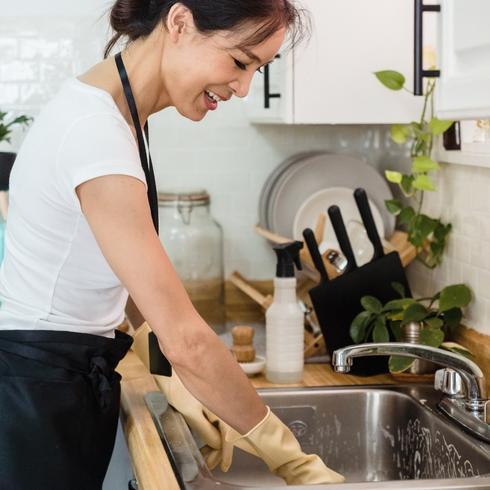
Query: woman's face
point(207, 70)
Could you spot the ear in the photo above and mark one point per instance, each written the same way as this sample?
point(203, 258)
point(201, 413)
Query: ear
point(179, 22)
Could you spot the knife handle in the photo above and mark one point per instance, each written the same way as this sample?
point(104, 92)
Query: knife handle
point(342, 237)
point(312, 245)
point(367, 218)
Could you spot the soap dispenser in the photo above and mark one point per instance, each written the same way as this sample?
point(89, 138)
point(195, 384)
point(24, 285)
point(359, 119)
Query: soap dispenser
point(284, 320)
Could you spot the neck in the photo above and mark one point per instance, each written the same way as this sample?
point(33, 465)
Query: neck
point(142, 60)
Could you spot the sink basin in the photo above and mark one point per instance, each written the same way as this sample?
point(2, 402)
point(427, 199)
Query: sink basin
point(377, 436)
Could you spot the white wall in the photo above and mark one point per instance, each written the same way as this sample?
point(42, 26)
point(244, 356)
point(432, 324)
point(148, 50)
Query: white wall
point(43, 43)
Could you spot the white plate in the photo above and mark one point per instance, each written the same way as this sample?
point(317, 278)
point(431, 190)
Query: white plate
point(254, 367)
point(343, 197)
point(271, 180)
point(319, 172)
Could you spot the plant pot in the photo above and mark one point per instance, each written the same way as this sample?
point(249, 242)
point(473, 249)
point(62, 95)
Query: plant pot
point(420, 370)
point(6, 162)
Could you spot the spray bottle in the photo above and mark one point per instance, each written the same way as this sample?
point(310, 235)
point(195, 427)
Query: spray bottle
point(284, 320)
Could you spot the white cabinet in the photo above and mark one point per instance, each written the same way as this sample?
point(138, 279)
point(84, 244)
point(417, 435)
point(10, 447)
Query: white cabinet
point(463, 92)
point(330, 80)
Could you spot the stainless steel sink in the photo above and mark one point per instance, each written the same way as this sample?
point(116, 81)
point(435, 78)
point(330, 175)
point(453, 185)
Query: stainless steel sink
point(377, 436)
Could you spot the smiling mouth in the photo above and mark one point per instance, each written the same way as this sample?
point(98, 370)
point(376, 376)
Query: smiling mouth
point(215, 97)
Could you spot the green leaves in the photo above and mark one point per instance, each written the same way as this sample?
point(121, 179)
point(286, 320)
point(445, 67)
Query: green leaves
point(456, 296)
point(431, 336)
point(400, 133)
point(434, 322)
point(394, 177)
point(391, 79)
point(429, 235)
point(398, 364)
point(414, 313)
point(439, 126)
point(423, 183)
point(452, 318)
point(359, 326)
point(380, 332)
point(424, 164)
point(6, 129)
point(398, 304)
point(382, 323)
point(394, 206)
point(371, 304)
point(406, 185)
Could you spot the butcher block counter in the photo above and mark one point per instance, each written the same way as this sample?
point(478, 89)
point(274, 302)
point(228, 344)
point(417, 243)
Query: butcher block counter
point(150, 463)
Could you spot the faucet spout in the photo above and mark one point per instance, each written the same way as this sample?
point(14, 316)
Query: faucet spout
point(471, 375)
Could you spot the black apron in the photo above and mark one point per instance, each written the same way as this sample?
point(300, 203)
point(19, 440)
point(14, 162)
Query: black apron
point(60, 393)
point(59, 407)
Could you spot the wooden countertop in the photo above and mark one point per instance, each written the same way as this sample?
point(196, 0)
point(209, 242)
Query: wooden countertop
point(150, 463)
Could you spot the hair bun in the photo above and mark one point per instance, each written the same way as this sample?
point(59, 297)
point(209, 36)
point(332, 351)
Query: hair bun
point(133, 19)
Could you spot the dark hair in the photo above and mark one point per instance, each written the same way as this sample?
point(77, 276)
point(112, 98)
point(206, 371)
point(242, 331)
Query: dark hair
point(136, 19)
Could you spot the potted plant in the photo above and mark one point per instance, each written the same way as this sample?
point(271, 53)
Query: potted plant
point(437, 317)
point(7, 158)
point(428, 234)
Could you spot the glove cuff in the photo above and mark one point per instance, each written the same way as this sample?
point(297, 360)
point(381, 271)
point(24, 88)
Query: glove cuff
point(263, 421)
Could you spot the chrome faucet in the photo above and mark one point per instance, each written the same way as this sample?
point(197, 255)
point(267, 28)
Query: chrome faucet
point(461, 380)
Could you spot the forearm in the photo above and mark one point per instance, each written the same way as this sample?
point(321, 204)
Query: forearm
point(213, 376)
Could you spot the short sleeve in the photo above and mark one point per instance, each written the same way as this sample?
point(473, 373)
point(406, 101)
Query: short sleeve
point(95, 146)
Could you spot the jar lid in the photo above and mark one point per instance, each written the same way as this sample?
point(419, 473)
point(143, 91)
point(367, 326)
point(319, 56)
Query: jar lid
point(191, 196)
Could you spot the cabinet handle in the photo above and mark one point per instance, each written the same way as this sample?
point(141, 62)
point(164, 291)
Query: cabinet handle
point(419, 72)
point(267, 82)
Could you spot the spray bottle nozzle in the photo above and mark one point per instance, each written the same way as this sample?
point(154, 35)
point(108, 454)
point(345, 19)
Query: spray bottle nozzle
point(287, 256)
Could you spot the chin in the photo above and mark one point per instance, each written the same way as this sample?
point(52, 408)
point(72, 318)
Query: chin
point(192, 115)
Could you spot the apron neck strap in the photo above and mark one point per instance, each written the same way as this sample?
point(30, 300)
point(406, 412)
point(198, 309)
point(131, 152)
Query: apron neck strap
point(146, 162)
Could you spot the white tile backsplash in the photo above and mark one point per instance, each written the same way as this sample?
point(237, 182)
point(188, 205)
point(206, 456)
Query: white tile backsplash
point(40, 48)
point(464, 201)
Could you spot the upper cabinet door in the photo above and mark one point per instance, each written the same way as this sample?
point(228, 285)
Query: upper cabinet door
point(330, 79)
point(464, 50)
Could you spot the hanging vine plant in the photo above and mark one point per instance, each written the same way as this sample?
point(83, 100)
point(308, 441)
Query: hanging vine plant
point(428, 234)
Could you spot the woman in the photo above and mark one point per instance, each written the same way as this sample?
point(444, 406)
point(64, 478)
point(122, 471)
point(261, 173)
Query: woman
point(81, 235)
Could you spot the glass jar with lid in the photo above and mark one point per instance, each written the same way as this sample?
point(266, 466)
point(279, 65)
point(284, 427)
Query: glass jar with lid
point(193, 240)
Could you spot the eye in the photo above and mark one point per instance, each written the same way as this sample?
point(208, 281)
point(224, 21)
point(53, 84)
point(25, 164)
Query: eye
point(239, 64)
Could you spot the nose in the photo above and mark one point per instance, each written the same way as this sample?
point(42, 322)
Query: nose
point(241, 86)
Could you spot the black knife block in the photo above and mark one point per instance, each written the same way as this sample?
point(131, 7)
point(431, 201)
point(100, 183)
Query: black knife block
point(338, 301)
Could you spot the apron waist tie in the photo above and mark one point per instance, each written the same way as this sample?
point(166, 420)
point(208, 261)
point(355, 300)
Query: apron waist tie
point(99, 376)
point(100, 373)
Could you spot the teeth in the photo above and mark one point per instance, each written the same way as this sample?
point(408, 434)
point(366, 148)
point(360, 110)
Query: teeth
point(213, 96)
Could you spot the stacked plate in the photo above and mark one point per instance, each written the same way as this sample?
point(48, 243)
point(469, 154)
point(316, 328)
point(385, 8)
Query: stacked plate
point(305, 185)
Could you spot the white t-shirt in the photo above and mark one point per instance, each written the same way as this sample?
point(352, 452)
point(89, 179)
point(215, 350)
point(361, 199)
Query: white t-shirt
point(54, 276)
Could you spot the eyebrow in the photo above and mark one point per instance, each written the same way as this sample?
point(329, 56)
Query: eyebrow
point(251, 55)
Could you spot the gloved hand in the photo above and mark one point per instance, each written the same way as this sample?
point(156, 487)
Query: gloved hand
point(269, 440)
point(195, 414)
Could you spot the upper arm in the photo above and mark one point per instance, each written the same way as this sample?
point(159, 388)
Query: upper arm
point(117, 211)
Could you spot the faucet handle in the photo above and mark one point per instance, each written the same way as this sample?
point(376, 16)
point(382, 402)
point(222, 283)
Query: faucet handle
point(449, 382)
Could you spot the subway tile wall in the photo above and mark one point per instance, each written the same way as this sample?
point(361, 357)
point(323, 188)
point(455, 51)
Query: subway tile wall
point(231, 158)
point(463, 199)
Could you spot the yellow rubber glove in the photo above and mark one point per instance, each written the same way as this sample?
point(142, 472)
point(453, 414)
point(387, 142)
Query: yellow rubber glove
point(195, 414)
point(269, 440)
point(276, 445)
